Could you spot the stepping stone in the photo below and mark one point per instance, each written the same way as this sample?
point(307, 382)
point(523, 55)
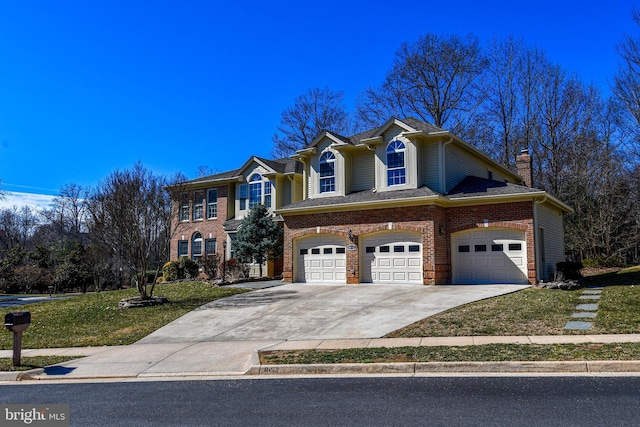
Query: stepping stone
point(585, 314)
point(595, 287)
point(583, 326)
point(589, 297)
point(587, 307)
point(592, 292)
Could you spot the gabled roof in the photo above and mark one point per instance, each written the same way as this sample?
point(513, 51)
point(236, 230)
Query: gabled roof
point(280, 166)
point(410, 124)
point(222, 176)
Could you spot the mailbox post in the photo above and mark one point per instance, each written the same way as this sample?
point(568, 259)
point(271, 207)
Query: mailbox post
point(17, 323)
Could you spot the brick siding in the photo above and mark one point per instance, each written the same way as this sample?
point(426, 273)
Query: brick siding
point(436, 224)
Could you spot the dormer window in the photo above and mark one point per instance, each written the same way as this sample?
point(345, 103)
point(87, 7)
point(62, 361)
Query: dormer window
point(396, 170)
point(327, 172)
point(255, 190)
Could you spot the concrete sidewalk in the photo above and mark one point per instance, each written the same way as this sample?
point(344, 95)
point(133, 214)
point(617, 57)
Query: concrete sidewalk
point(240, 358)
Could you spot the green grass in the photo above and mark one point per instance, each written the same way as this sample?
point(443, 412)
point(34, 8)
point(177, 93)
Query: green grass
point(528, 312)
point(95, 320)
point(535, 311)
point(478, 353)
point(27, 363)
point(531, 311)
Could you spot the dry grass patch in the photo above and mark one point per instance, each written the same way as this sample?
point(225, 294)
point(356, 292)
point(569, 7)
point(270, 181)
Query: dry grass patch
point(95, 320)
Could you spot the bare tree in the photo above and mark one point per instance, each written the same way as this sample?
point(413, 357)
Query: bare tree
point(434, 79)
point(315, 110)
point(131, 212)
point(69, 211)
point(627, 80)
point(18, 225)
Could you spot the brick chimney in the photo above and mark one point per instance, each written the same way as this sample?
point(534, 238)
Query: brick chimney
point(523, 165)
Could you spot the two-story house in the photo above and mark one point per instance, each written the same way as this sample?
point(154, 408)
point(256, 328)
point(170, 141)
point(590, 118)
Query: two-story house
point(411, 203)
point(212, 207)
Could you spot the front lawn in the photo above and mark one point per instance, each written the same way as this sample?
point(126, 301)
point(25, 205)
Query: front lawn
point(95, 320)
point(535, 311)
point(531, 311)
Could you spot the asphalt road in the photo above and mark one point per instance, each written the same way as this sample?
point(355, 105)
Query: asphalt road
point(432, 401)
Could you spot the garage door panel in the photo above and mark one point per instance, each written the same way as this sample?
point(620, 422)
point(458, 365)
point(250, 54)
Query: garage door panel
point(415, 262)
point(399, 276)
point(489, 256)
point(321, 259)
point(400, 262)
point(392, 258)
point(518, 261)
point(499, 262)
point(383, 262)
point(415, 277)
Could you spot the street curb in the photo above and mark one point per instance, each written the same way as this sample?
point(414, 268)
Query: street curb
point(543, 367)
point(21, 375)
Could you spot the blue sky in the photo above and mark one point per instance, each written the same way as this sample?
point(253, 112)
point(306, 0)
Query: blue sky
point(90, 87)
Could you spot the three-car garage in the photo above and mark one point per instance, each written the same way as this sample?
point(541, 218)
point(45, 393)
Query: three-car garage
point(478, 256)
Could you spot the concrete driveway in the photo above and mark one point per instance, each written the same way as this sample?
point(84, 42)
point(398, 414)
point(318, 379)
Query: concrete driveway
point(223, 337)
point(319, 311)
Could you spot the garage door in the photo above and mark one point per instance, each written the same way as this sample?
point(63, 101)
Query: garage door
point(489, 256)
point(321, 259)
point(392, 258)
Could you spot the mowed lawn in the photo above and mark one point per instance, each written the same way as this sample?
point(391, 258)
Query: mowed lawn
point(535, 311)
point(95, 320)
point(531, 311)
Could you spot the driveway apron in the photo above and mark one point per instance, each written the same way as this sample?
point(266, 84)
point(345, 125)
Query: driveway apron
point(319, 311)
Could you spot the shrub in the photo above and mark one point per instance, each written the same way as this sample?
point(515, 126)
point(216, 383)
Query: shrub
point(189, 268)
point(569, 270)
point(602, 262)
point(237, 270)
point(185, 268)
point(170, 271)
point(211, 265)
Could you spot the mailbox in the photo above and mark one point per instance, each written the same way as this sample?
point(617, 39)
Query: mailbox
point(17, 322)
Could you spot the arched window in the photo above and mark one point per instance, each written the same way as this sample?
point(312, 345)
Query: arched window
point(255, 190)
point(196, 246)
point(327, 172)
point(396, 171)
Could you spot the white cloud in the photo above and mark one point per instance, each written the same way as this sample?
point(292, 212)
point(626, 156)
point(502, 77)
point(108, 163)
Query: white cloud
point(37, 201)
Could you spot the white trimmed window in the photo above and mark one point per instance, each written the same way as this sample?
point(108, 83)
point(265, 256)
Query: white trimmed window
point(184, 207)
point(396, 171)
point(210, 247)
point(327, 172)
point(212, 203)
point(255, 190)
point(196, 246)
point(183, 248)
point(242, 195)
point(267, 194)
point(198, 205)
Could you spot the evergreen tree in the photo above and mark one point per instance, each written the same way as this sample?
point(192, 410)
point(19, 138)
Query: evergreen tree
point(259, 237)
